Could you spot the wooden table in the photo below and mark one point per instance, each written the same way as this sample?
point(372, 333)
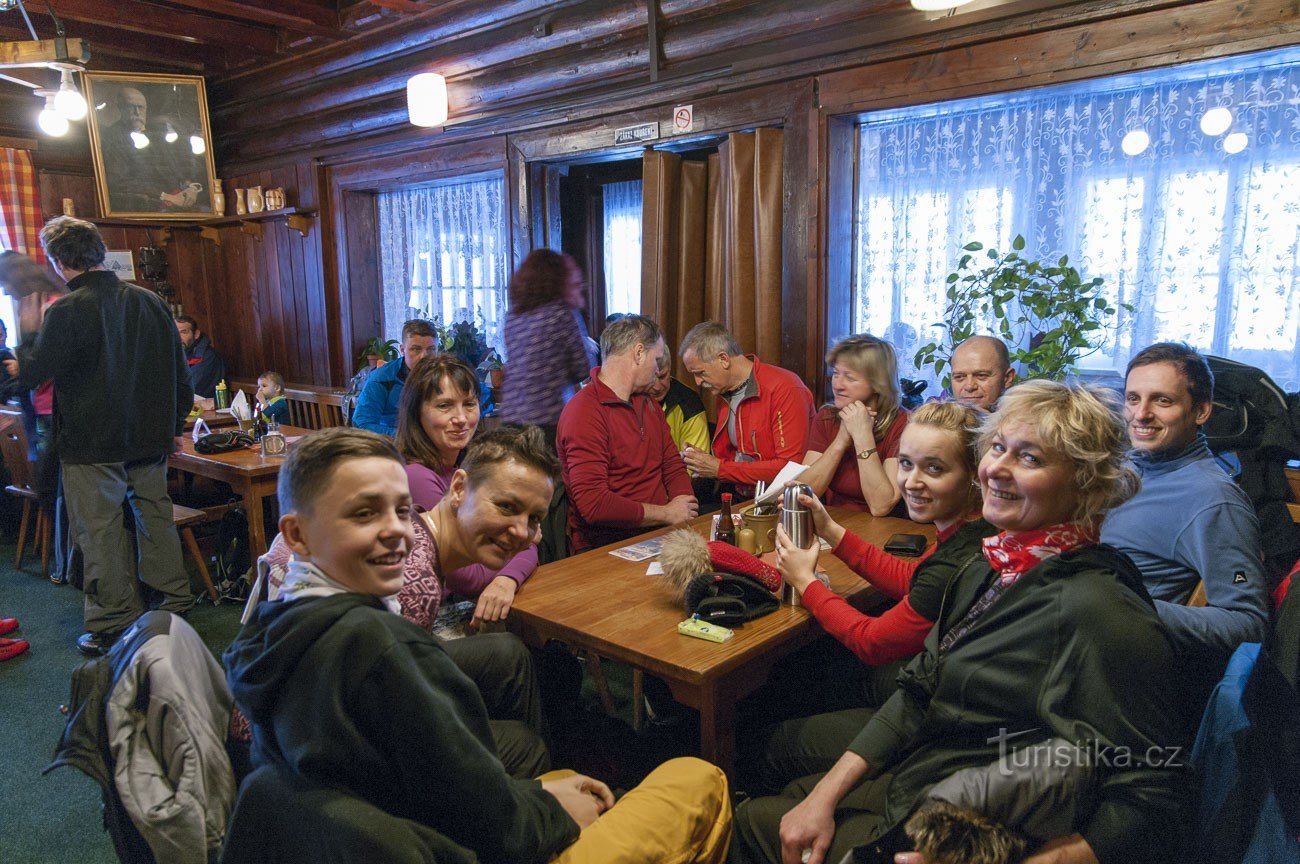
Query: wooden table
point(250, 474)
point(603, 604)
point(214, 419)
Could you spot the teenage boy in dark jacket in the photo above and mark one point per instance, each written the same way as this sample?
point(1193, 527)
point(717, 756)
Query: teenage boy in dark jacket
point(347, 694)
point(121, 394)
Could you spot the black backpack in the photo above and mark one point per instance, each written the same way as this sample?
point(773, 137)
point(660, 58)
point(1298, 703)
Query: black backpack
point(1257, 425)
point(233, 560)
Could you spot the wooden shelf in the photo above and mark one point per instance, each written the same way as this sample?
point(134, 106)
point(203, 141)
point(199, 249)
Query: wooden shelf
point(250, 223)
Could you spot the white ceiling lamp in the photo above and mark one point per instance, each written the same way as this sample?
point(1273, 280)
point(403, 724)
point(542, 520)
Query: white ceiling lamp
point(140, 140)
point(1235, 143)
point(1216, 121)
point(197, 147)
point(937, 5)
point(1135, 142)
point(50, 120)
point(69, 101)
point(426, 99)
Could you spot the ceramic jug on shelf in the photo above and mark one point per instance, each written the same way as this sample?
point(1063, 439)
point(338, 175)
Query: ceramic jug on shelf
point(256, 202)
point(218, 200)
point(241, 205)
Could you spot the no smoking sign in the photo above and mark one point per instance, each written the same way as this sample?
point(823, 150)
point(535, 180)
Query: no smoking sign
point(683, 119)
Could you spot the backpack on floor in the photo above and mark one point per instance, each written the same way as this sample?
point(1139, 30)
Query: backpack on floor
point(234, 561)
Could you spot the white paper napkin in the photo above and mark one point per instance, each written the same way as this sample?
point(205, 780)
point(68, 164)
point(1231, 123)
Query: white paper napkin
point(791, 471)
point(239, 408)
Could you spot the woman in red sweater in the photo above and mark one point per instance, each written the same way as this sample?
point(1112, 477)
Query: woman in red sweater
point(853, 443)
point(936, 477)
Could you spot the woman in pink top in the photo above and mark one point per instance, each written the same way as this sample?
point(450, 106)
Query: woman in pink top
point(436, 417)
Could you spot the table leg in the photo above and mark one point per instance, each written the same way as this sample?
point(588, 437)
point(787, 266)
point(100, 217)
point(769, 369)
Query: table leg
point(718, 729)
point(257, 544)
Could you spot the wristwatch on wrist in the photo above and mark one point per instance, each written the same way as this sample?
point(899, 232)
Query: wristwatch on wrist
point(866, 454)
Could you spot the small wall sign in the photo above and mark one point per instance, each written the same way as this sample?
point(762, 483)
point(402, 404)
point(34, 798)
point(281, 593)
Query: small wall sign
point(121, 263)
point(636, 134)
point(683, 119)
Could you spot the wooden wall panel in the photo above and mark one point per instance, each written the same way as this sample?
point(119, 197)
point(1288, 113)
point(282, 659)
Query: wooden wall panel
point(537, 81)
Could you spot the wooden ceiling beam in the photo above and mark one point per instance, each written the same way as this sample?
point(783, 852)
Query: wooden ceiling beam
point(400, 5)
point(297, 17)
point(106, 43)
point(157, 22)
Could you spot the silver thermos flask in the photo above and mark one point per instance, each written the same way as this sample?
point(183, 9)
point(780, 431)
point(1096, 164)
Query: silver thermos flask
point(796, 519)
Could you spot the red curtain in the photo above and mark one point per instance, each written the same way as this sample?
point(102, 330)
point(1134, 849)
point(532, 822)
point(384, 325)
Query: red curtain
point(20, 205)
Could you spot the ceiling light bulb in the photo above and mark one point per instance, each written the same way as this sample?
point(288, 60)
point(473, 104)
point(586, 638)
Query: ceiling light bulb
point(171, 136)
point(426, 99)
point(1235, 143)
point(140, 140)
point(937, 5)
point(197, 146)
point(1216, 121)
point(1135, 142)
point(68, 101)
point(50, 120)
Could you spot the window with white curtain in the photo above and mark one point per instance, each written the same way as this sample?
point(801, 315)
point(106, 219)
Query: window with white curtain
point(622, 250)
point(1193, 223)
point(443, 255)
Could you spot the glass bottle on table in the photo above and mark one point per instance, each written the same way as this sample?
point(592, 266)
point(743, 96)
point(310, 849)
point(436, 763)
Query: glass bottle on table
point(726, 532)
point(259, 423)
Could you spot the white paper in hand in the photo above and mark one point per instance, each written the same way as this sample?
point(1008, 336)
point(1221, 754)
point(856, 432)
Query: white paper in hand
point(239, 408)
point(791, 471)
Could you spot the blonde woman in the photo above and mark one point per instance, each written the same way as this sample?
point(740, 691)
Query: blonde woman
point(1045, 634)
point(853, 442)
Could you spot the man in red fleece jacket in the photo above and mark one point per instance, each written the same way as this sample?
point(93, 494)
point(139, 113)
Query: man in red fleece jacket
point(763, 411)
point(621, 468)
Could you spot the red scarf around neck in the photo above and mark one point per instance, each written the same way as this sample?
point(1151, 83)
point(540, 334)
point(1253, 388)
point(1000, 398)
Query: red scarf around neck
point(1014, 554)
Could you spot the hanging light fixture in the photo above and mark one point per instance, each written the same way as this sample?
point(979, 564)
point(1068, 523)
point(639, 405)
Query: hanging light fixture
point(937, 5)
point(50, 120)
point(140, 140)
point(69, 101)
point(197, 147)
point(426, 99)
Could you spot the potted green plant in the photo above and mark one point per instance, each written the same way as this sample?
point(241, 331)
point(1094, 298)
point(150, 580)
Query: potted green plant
point(1047, 313)
point(378, 351)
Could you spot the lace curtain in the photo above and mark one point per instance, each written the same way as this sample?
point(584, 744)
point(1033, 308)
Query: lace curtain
point(622, 203)
point(442, 254)
point(1190, 215)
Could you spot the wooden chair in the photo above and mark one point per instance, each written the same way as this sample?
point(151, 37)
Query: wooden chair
point(184, 518)
point(13, 443)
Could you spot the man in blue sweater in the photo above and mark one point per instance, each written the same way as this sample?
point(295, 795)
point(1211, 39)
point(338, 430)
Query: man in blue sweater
point(1190, 523)
point(377, 405)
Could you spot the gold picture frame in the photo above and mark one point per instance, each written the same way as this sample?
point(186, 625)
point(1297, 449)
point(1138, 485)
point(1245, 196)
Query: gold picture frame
point(151, 145)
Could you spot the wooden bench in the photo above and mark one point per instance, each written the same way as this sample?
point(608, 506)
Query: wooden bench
point(310, 407)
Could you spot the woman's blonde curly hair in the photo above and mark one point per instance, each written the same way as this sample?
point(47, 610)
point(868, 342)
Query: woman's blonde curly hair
point(1085, 424)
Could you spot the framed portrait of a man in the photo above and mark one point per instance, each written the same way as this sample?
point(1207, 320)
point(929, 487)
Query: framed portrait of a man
point(151, 145)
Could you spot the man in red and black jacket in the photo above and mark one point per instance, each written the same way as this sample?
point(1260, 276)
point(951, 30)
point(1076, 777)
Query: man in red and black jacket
point(763, 411)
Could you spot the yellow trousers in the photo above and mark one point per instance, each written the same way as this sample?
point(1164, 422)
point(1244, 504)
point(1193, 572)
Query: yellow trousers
point(680, 814)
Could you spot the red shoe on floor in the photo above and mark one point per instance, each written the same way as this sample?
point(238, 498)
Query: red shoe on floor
point(13, 649)
point(8, 625)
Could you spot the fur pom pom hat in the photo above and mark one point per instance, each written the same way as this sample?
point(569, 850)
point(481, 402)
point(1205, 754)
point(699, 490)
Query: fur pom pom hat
point(685, 555)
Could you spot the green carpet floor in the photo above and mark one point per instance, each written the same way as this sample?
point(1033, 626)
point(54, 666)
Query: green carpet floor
point(54, 818)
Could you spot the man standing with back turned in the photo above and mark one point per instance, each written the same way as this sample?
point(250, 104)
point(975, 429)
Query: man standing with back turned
point(121, 393)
